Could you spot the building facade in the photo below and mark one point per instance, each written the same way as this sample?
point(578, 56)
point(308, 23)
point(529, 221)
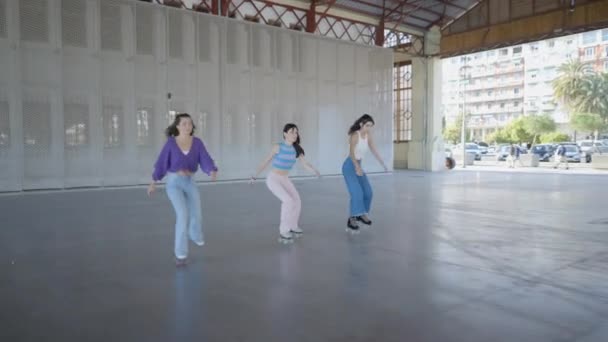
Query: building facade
point(497, 86)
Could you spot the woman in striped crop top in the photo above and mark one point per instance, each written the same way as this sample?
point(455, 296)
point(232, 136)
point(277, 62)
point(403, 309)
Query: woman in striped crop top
point(179, 160)
point(283, 156)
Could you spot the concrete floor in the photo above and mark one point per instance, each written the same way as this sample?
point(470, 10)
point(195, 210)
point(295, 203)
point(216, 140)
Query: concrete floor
point(458, 256)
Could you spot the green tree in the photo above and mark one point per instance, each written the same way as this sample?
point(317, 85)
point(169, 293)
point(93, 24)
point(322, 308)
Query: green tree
point(554, 137)
point(585, 94)
point(537, 125)
point(517, 132)
point(514, 132)
point(568, 86)
point(593, 96)
point(452, 132)
point(588, 122)
point(500, 137)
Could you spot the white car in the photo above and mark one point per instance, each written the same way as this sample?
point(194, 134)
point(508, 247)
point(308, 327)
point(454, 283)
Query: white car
point(470, 148)
point(589, 147)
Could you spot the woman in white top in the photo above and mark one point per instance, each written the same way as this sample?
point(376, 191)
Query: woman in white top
point(356, 181)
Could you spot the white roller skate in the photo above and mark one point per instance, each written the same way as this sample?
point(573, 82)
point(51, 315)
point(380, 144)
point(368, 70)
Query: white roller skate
point(285, 238)
point(296, 232)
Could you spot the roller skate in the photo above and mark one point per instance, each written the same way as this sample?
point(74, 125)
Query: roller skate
point(364, 219)
point(352, 226)
point(285, 238)
point(180, 262)
point(296, 232)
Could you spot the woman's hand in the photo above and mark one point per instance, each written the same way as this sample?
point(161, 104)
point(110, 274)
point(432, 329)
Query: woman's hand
point(151, 189)
point(213, 176)
point(358, 170)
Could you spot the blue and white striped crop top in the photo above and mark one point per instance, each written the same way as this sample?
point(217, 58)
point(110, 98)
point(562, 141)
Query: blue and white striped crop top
point(285, 158)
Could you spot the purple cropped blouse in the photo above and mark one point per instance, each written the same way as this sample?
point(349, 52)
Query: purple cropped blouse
point(172, 159)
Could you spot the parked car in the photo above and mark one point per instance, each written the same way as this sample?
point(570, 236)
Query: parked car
point(483, 147)
point(502, 152)
point(543, 151)
point(573, 152)
point(589, 147)
point(473, 148)
point(469, 148)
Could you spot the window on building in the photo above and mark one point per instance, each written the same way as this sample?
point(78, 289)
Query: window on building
point(568, 56)
point(605, 51)
point(569, 42)
point(589, 52)
point(5, 126)
point(489, 93)
point(517, 50)
point(502, 105)
point(143, 118)
point(605, 66)
point(534, 47)
point(503, 52)
point(516, 91)
point(76, 124)
point(402, 116)
point(491, 53)
point(516, 104)
point(589, 37)
point(604, 35)
point(551, 43)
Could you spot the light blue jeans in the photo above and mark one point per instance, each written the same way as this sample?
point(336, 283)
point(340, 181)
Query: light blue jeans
point(360, 190)
point(186, 200)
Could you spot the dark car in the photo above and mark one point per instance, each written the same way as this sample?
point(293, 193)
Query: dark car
point(543, 151)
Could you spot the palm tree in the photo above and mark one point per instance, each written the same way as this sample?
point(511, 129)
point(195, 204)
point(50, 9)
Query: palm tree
point(567, 87)
point(593, 95)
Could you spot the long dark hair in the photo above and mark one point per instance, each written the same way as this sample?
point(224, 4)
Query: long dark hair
point(365, 118)
point(172, 130)
point(296, 144)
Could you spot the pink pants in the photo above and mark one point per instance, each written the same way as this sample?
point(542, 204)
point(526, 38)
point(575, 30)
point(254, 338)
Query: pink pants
point(291, 205)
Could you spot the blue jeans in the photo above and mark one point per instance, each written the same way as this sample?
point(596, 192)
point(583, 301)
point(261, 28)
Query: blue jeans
point(358, 186)
point(186, 200)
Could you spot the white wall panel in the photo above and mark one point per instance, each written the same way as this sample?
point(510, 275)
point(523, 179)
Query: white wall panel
point(83, 97)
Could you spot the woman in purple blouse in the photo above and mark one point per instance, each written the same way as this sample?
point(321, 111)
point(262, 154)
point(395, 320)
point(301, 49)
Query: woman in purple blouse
point(179, 160)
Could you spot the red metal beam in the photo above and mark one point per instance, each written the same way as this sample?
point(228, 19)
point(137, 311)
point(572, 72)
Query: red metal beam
point(404, 16)
point(329, 5)
point(380, 29)
point(225, 4)
point(311, 23)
